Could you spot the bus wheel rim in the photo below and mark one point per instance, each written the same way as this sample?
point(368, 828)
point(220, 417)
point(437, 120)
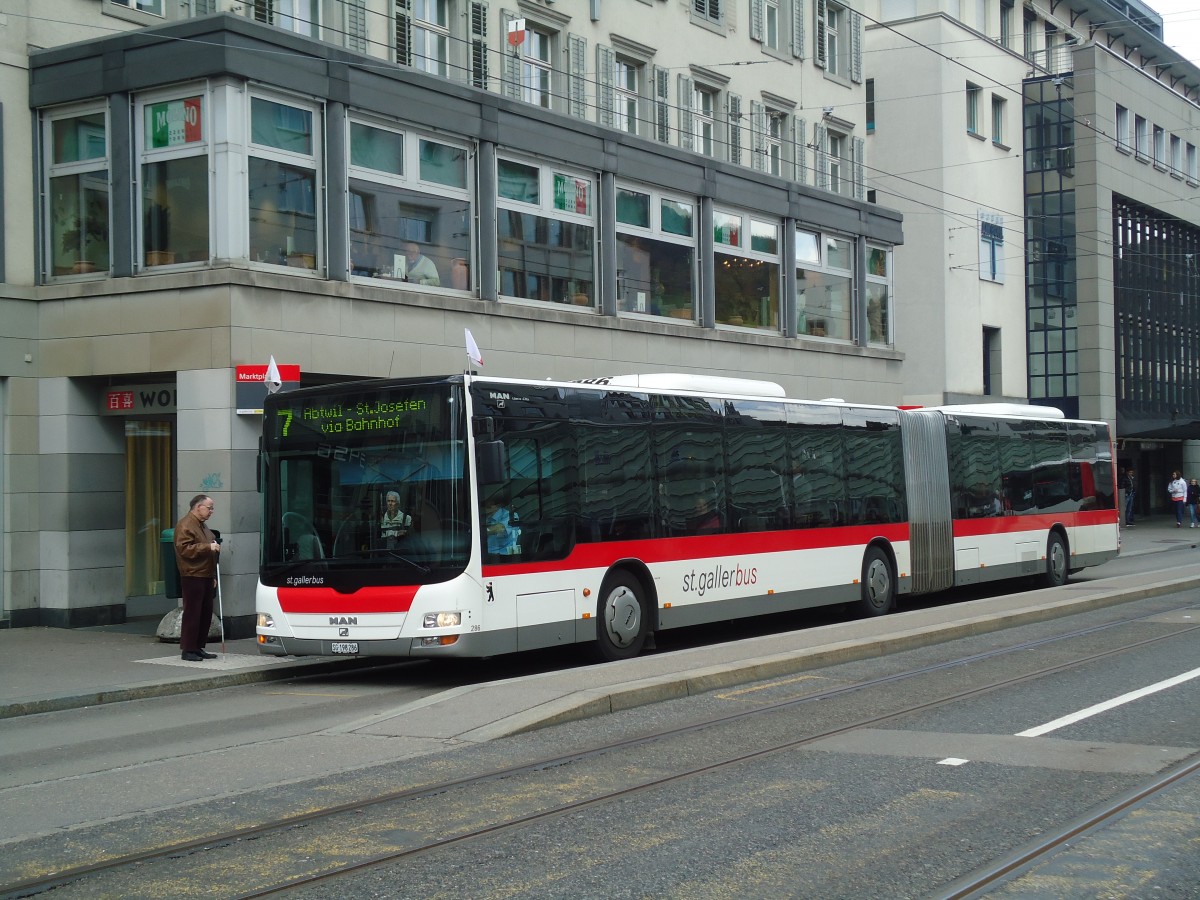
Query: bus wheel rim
point(622, 616)
point(878, 582)
point(1058, 560)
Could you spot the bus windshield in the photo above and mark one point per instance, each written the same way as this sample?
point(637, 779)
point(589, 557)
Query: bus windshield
point(366, 485)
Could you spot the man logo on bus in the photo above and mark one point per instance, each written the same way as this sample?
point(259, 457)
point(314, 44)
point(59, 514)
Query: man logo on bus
point(343, 620)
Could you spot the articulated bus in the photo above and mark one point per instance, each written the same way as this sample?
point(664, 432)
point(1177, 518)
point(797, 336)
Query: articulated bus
point(476, 516)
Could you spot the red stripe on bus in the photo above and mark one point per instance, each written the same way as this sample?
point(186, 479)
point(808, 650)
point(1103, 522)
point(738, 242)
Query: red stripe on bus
point(386, 599)
point(701, 547)
point(1038, 524)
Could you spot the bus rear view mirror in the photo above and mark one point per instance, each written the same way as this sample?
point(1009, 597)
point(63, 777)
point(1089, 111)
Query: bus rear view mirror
point(492, 460)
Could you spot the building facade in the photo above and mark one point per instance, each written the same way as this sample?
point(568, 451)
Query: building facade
point(347, 186)
point(1054, 208)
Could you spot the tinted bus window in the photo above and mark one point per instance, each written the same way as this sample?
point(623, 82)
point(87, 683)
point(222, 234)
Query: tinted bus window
point(613, 441)
point(1016, 467)
point(874, 467)
point(976, 485)
point(758, 475)
point(689, 466)
point(1051, 486)
point(816, 454)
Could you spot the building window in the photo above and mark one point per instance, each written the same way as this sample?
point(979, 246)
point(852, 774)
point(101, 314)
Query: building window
point(771, 13)
point(431, 36)
point(546, 233)
point(1141, 137)
point(776, 128)
point(410, 208)
point(870, 106)
point(1006, 20)
point(1190, 161)
point(656, 254)
point(1030, 34)
point(1160, 148)
point(300, 16)
point(704, 127)
point(824, 284)
point(77, 192)
point(747, 271)
point(1176, 157)
point(627, 78)
point(536, 68)
point(834, 35)
point(284, 226)
point(973, 93)
point(153, 7)
point(837, 159)
point(998, 106)
point(174, 182)
point(879, 296)
point(708, 10)
point(1124, 136)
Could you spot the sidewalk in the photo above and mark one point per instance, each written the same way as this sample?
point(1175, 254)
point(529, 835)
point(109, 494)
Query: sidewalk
point(47, 669)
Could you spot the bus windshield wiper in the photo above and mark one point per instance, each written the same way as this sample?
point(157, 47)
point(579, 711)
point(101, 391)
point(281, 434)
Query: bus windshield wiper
point(384, 551)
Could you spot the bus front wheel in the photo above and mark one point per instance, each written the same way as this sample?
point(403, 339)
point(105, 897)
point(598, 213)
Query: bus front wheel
point(622, 625)
point(878, 584)
point(1057, 561)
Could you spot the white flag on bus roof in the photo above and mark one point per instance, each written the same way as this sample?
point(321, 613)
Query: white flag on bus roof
point(274, 382)
point(473, 353)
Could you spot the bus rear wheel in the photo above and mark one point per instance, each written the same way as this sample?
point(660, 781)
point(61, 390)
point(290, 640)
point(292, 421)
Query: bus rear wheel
point(878, 584)
point(1057, 561)
point(622, 620)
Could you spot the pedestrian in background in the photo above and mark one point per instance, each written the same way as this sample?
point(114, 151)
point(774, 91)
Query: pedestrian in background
point(1178, 491)
point(1130, 485)
point(1193, 498)
point(196, 554)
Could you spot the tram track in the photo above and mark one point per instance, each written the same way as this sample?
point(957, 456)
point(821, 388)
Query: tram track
point(327, 817)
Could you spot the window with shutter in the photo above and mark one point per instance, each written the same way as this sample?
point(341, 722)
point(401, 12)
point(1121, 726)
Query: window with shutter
point(479, 48)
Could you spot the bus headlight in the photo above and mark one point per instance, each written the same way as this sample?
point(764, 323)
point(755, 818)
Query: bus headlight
point(443, 620)
point(265, 621)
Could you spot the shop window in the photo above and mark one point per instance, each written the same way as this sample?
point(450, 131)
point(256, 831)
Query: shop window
point(747, 271)
point(284, 227)
point(824, 285)
point(656, 255)
point(77, 192)
point(546, 234)
point(410, 208)
point(879, 296)
point(174, 184)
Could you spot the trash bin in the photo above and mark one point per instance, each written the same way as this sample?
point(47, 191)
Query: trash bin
point(172, 587)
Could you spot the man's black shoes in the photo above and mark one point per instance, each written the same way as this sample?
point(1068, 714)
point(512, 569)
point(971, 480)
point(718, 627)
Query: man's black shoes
point(206, 655)
point(191, 657)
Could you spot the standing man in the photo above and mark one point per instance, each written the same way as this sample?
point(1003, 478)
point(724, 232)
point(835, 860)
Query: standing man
point(196, 553)
point(1178, 491)
point(1130, 485)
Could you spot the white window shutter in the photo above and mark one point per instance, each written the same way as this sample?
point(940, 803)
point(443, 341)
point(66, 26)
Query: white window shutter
point(605, 99)
point(800, 146)
point(511, 73)
point(819, 55)
point(662, 105)
point(403, 42)
point(479, 46)
point(858, 148)
point(756, 19)
point(577, 76)
point(798, 35)
point(821, 155)
point(758, 136)
point(733, 105)
point(856, 40)
point(356, 25)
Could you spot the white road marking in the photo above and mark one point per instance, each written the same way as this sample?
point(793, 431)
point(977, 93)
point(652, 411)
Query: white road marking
point(952, 761)
point(1108, 704)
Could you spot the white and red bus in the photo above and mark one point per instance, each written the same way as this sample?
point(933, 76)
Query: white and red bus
point(528, 514)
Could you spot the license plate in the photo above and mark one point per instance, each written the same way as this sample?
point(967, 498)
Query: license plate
point(345, 647)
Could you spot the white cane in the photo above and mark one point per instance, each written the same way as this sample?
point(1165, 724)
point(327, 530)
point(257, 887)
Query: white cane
point(220, 604)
